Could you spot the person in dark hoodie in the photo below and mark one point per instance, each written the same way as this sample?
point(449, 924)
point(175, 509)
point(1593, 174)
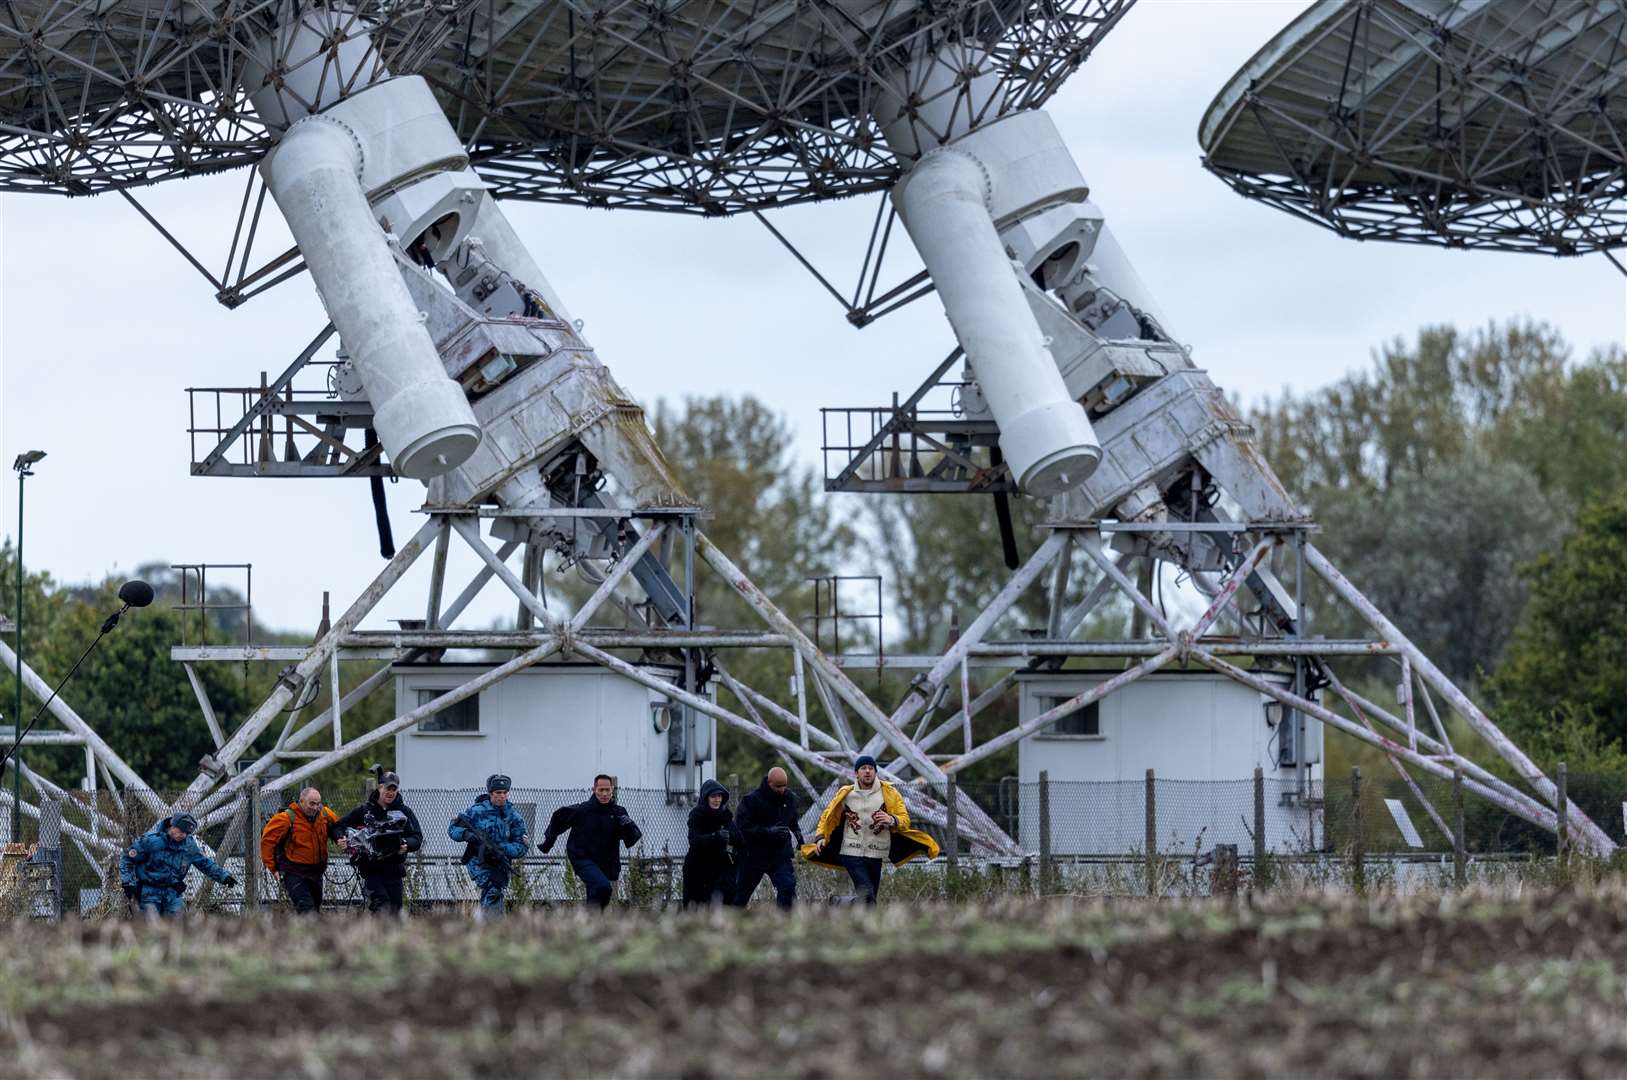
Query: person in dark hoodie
point(708, 868)
point(597, 827)
point(494, 833)
point(153, 872)
point(383, 872)
point(764, 827)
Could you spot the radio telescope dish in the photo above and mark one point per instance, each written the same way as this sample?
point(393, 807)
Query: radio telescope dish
point(1463, 123)
point(702, 106)
point(716, 107)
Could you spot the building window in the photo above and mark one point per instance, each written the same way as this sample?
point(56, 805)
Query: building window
point(460, 719)
point(1083, 723)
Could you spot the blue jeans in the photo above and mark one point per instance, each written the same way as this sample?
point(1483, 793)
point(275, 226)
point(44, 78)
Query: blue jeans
point(783, 876)
point(865, 874)
point(599, 885)
point(493, 884)
point(159, 900)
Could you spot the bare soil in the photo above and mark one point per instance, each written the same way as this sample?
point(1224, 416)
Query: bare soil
point(1453, 986)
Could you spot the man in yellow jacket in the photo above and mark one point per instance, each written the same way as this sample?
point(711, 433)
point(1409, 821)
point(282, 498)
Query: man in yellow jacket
point(865, 824)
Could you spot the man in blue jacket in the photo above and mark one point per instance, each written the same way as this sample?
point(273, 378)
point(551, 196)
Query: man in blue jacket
point(597, 827)
point(153, 872)
point(494, 833)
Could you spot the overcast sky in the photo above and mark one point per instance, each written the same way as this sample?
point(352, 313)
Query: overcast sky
point(105, 325)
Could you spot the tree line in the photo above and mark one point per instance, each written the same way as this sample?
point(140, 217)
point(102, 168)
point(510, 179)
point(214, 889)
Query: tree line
point(1472, 483)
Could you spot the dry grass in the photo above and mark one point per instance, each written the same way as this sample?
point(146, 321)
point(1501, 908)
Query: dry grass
point(1516, 983)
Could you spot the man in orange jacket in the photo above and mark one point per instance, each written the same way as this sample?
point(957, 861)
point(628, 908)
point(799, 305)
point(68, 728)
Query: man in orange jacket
point(294, 847)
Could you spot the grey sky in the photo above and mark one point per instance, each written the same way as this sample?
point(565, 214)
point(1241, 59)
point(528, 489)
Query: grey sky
point(104, 325)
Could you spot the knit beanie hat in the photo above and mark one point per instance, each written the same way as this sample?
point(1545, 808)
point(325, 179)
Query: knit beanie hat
point(864, 759)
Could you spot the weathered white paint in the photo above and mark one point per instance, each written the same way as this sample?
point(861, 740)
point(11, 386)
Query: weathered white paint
point(1186, 726)
point(550, 728)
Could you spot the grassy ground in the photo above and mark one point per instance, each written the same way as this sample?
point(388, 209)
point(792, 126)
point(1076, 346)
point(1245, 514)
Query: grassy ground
point(1517, 984)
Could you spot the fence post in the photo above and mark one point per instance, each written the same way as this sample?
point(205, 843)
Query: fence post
point(734, 788)
point(1562, 807)
point(1044, 831)
point(1224, 880)
point(1152, 834)
point(251, 849)
point(1460, 843)
point(1259, 827)
point(951, 837)
point(1358, 867)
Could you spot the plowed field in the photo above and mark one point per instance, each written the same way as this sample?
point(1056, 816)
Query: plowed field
point(1444, 986)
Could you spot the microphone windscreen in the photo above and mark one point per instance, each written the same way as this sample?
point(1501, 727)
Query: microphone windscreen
point(136, 593)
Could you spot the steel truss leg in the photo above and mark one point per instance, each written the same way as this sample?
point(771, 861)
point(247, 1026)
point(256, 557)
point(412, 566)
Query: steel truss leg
point(307, 668)
point(844, 687)
point(1406, 777)
point(379, 734)
point(1595, 836)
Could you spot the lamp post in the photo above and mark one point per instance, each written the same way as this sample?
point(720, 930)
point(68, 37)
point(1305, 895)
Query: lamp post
point(25, 468)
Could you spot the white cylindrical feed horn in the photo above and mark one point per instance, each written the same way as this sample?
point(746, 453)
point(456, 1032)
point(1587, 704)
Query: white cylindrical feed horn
point(1044, 433)
point(422, 416)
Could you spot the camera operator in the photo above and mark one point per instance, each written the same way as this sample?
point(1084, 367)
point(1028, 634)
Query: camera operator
point(383, 871)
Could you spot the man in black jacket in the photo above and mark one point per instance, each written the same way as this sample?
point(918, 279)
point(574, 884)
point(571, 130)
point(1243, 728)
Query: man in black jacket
point(765, 827)
point(383, 865)
point(708, 869)
point(597, 827)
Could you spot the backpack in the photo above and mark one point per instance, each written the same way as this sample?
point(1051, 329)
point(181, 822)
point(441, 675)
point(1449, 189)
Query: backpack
point(282, 845)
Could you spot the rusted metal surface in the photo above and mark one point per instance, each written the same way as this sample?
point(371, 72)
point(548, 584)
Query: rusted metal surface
point(1110, 567)
point(1234, 581)
point(470, 532)
point(617, 574)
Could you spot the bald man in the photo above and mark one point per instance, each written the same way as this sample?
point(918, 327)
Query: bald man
point(767, 836)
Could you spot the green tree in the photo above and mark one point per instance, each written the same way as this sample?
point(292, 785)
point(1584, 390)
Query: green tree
point(1563, 678)
point(132, 694)
point(1445, 465)
point(771, 517)
point(1440, 553)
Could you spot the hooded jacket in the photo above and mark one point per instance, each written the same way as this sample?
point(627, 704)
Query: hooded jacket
point(596, 830)
point(295, 844)
point(765, 824)
point(372, 812)
point(709, 830)
point(156, 860)
point(502, 825)
point(907, 842)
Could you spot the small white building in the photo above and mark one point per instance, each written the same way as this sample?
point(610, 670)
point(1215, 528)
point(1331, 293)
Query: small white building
point(1201, 733)
point(551, 728)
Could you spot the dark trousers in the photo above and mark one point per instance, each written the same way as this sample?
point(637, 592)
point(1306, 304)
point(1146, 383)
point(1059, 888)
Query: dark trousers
point(383, 893)
point(709, 884)
point(781, 874)
point(305, 891)
point(865, 875)
point(600, 886)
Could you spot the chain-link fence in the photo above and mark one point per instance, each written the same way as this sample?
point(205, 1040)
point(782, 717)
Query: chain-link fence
point(1139, 837)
